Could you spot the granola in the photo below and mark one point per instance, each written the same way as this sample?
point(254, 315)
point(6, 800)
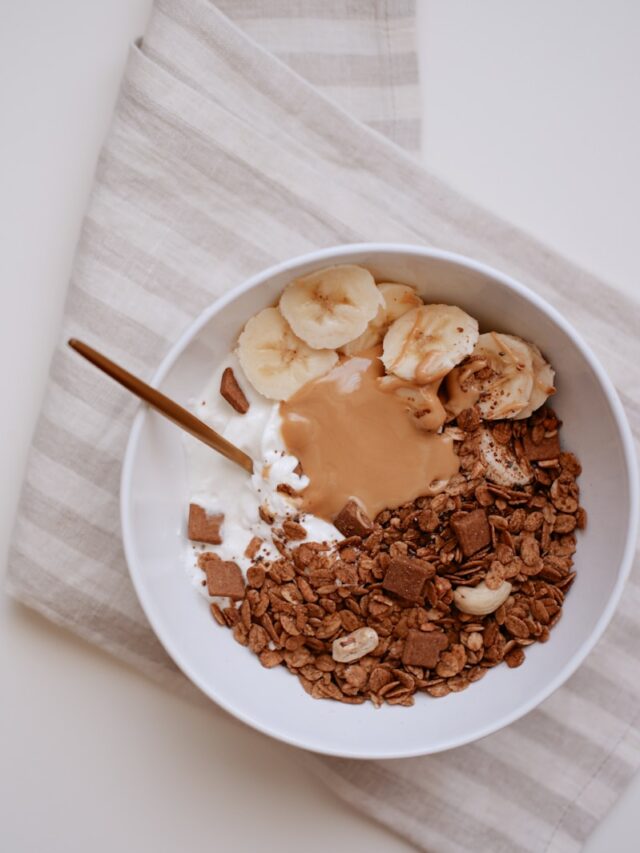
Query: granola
point(398, 577)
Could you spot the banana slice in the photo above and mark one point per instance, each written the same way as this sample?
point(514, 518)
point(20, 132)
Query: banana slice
point(331, 307)
point(507, 391)
point(275, 361)
point(543, 376)
point(462, 391)
point(503, 467)
point(427, 342)
point(398, 299)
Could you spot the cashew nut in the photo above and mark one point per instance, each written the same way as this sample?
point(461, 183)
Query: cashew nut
point(355, 645)
point(480, 600)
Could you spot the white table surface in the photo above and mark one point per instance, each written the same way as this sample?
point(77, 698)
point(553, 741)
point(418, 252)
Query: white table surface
point(531, 109)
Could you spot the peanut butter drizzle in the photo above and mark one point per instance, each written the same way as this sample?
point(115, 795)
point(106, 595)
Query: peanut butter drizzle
point(421, 401)
point(354, 439)
point(461, 391)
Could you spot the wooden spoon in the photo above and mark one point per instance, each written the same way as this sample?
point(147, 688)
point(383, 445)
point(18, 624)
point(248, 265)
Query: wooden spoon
point(167, 407)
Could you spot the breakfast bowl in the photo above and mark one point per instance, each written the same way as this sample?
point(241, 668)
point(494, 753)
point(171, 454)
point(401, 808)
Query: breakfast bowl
point(155, 493)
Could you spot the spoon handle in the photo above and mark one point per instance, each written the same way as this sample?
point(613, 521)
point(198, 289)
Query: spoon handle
point(163, 404)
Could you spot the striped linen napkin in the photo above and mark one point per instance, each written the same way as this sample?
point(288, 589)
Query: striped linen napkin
point(247, 133)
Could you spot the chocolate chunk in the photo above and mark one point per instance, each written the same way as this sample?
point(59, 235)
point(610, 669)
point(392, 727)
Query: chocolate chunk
point(352, 520)
point(406, 576)
point(224, 577)
point(232, 392)
point(548, 448)
point(204, 527)
point(471, 530)
point(293, 530)
point(423, 648)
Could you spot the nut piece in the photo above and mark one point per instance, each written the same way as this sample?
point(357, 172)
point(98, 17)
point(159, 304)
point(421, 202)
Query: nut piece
point(354, 646)
point(472, 531)
point(232, 392)
point(480, 600)
point(352, 520)
point(203, 527)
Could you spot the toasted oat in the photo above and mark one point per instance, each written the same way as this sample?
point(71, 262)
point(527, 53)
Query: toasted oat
point(253, 547)
point(293, 530)
point(265, 514)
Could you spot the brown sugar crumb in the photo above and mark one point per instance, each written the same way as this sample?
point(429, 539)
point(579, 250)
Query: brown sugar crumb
point(224, 577)
point(423, 648)
point(232, 392)
point(548, 447)
point(352, 520)
point(270, 658)
point(472, 531)
point(204, 527)
point(407, 576)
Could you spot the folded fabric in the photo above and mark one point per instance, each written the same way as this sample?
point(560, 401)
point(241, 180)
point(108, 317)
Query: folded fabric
point(233, 146)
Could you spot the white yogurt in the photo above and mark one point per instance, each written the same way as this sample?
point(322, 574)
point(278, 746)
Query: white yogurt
point(220, 486)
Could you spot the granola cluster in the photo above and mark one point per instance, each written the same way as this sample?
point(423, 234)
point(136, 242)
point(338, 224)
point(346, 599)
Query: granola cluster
point(403, 576)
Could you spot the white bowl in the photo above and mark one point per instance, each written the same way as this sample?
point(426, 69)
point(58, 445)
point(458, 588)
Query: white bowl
point(155, 495)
